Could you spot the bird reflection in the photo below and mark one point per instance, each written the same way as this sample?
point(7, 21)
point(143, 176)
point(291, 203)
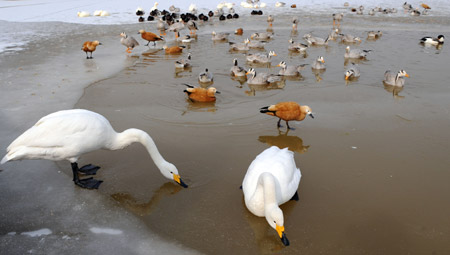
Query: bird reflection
point(253, 87)
point(283, 140)
point(240, 79)
point(267, 239)
point(179, 71)
point(394, 90)
point(317, 73)
point(141, 209)
point(199, 107)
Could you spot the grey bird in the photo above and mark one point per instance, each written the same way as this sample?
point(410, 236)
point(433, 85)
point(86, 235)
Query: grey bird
point(290, 70)
point(260, 57)
point(128, 41)
point(296, 46)
point(352, 72)
point(219, 36)
point(314, 40)
point(256, 44)
point(262, 78)
point(239, 46)
point(236, 70)
point(262, 36)
point(348, 38)
point(396, 80)
point(355, 53)
point(183, 62)
point(205, 77)
point(318, 64)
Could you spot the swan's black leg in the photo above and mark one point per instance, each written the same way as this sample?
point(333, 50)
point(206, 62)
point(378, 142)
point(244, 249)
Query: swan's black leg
point(295, 196)
point(89, 169)
point(88, 183)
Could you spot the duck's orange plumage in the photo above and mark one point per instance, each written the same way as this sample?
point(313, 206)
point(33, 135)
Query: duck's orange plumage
point(287, 111)
point(239, 31)
point(150, 37)
point(89, 46)
point(201, 94)
point(173, 49)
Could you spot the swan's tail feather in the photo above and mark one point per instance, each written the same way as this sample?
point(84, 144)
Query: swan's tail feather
point(5, 159)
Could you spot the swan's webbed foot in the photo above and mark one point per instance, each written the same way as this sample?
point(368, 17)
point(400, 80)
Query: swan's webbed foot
point(295, 196)
point(88, 183)
point(89, 169)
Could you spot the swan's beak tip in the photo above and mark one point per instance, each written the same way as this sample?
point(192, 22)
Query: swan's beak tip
point(285, 240)
point(184, 185)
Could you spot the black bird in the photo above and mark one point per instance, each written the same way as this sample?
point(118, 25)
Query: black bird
point(235, 16)
point(210, 13)
point(150, 18)
point(222, 17)
point(229, 16)
point(141, 19)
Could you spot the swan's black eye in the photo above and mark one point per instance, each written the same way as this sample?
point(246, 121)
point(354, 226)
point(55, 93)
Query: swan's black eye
point(171, 172)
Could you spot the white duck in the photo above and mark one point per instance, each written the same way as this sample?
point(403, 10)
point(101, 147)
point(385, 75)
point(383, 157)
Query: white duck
point(66, 135)
point(272, 179)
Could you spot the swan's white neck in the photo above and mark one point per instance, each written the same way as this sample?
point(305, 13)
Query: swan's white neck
point(267, 182)
point(133, 135)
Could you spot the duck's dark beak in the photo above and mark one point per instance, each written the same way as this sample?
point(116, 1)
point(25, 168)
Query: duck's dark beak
point(312, 116)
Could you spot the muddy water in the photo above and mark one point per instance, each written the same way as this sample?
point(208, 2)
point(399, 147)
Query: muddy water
point(374, 161)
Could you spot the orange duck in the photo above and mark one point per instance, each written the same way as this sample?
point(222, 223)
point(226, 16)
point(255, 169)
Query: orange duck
point(173, 49)
point(199, 94)
point(89, 46)
point(150, 37)
point(287, 111)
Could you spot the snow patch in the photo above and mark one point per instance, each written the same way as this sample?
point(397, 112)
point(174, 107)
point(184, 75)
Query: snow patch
point(108, 231)
point(36, 233)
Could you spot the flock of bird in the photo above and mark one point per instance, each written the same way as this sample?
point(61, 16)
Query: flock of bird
point(272, 178)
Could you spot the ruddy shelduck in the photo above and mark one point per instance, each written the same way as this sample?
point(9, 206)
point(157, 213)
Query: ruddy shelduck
point(173, 49)
point(199, 94)
point(89, 46)
point(287, 111)
point(239, 31)
point(150, 37)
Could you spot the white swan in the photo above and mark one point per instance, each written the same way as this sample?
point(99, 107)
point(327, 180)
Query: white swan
point(66, 135)
point(271, 180)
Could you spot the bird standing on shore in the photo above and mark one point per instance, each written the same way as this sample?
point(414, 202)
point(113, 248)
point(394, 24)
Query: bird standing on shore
point(89, 46)
point(150, 37)
point(128, 41)
point(272, 179)
point(66, 135)
point(270, 20)
point(287, 111)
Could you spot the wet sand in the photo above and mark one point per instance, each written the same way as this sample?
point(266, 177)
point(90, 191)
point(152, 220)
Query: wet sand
point(374, 162)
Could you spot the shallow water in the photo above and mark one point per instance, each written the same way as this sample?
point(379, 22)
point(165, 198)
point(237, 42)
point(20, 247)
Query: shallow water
point(374, 161)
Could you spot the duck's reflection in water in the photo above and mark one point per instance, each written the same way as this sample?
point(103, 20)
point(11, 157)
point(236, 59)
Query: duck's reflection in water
point(394, 90)
point(145, 208)
point(283, 140)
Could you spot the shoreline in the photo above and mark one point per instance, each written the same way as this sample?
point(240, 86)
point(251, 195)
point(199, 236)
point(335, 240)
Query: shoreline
point(40, 98)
